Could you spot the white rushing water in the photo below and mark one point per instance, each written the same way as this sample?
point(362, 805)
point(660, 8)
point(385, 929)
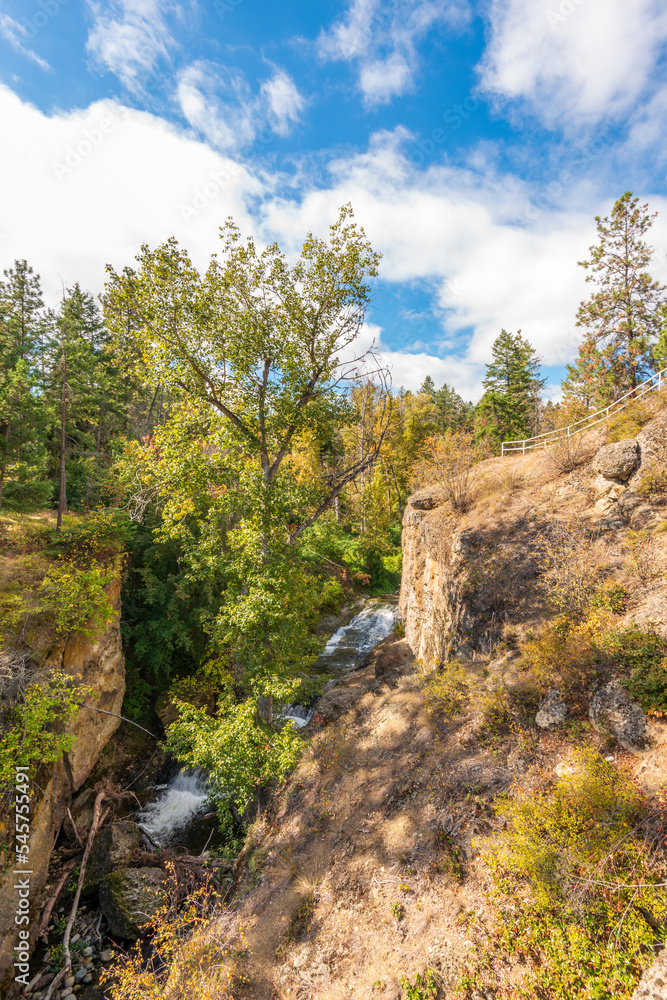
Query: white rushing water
point(179, 803)
point(349, 644)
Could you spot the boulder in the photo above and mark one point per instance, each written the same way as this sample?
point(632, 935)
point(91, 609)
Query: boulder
point(552, 711)
point(112, 850)
point(610, 707)
point(618, 460)
point(131, 897)
point(394, 657)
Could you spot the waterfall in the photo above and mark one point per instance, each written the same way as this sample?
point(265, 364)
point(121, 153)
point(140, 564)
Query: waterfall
point(182, 799)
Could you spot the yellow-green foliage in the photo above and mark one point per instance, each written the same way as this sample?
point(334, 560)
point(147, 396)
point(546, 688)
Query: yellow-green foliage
point(195, 952)
point(30, 733)
point(447, 690)
point(653, 485)
point(566, 653)
point(629, 422)
point(557, 838)
point(577, 878)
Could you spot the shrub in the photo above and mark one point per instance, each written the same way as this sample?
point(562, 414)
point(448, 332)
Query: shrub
point(24, 496)
point(653, 485)
point(628, 422)
point(425, 987)
point(569, 567)
point(194, 952)
point(586, 862)
point(569, 452)
point(448, 460)
point(447, 690)
point(31, 724)
point(645, 560)
point(75, 599)
point(96, 536)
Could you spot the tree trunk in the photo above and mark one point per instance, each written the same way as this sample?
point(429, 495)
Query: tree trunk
point(62, 496)
point(4, 461)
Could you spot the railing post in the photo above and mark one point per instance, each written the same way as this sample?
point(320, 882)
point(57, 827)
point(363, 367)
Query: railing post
point(524, 447)
point(502, 450)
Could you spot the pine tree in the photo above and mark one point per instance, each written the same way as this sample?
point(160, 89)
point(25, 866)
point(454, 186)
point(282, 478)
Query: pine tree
point(622, 318)
point(24, 324)
point(510, 406)
point(453, 412)
point(428, 387)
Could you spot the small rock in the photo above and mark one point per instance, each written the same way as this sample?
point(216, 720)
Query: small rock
point(106, 955)
point(552, 711)
point(610, 706)
point(618, 460)
point(75, 938)
point(88, 978)
point(79, 974)
point(69, 981)
point(87, 951)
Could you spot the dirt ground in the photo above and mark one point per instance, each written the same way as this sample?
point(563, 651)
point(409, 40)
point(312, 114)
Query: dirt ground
point(366, 868)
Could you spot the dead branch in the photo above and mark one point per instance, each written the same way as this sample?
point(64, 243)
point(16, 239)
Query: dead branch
point(97, 822)
point(48, 910)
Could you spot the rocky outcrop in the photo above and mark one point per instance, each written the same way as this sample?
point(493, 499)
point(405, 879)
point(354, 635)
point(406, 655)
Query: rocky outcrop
point(618, 460)
point(552, 711)
point(653, 984)
point(100, 663)
point(611, 708)
point(130, 898)
point(112, 850)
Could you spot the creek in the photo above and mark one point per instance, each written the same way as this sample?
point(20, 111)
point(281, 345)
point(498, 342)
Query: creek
point(174, 812)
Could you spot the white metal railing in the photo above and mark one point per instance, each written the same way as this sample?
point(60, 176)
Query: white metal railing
point(655, 382)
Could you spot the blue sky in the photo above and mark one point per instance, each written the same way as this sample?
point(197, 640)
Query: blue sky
point(476, 140)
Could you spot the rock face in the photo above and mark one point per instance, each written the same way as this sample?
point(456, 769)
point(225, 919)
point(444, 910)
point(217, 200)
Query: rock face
point(112, 850)
point(552, 711)
point(611, 707)
point(100, 663)
point(130, 898)
point(617, 461)
point(653, 984)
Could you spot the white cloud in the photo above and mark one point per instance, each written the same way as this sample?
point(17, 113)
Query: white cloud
point(573, 61)
point(91, 186)
point(381, 38)
point(284, 101)
point(129, 37)
point(465, 238)
point(219, 104)
point(16, 33)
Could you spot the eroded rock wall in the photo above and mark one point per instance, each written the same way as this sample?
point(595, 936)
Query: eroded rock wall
point(100, 663)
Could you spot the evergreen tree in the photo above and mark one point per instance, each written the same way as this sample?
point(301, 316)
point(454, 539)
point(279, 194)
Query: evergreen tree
point(510, 406)
point(428, 386)
point(622, 318)
point(24, 324)
point(453, 412)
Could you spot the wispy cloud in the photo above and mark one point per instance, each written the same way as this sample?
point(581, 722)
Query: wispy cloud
point(284, 102)
point(381, 38)
point(129, 37)
point(15, 33)
point(220, 105)
point(574, 63)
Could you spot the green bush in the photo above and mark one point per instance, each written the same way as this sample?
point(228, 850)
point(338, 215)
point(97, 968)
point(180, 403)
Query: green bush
point(75, 600)
point(29, 733)
point(577, 878)
point(22, 496)
point(99, 535)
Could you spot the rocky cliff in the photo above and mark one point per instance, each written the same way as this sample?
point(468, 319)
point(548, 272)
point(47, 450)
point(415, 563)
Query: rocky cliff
point(100, 663)
point(470, 580)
